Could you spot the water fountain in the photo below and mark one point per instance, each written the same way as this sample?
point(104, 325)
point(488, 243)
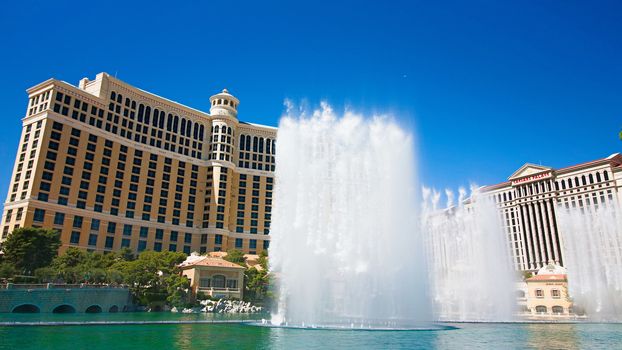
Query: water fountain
point(592, 239)
point(470, 271)
point(346, 247)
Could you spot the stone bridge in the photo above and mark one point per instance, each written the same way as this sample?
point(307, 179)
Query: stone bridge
point(63, 298)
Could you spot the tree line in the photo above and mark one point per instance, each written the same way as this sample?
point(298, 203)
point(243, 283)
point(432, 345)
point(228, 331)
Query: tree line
point(153, 278)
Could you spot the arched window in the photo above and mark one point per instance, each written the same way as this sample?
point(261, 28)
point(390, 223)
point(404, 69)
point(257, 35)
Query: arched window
point(255, 143)
point(505, 197)
point(175, 123)
point(570, 183)
point(583, 180)
point(510, 196)
point(229, 131)
point(119, 98)
point(113, 95)
point(196, 131)
point(273, 146)
point(557, 309)
point(242, 138)
point(162, 117)
point(556, 186)
point(261, 145)
point(141, 111)
point(576, 181)
point(155, 117)
point(216, 129)
point(606, 175)
point(218, 281)
point(598, 179)
point(169, 122)
point(189, 128)
point(183, 127)
point(147, 114)
point(248, 142)
point(591, 178)
point(268, 144)
point(201, 130)
point(541, 309)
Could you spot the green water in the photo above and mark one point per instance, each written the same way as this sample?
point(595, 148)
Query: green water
point(241, 336)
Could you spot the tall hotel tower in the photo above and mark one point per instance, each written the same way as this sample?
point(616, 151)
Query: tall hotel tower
point(109, 166)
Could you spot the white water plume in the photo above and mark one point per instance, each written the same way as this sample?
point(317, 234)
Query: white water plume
point(592, 240)
point(470, 273)
point(346, 247)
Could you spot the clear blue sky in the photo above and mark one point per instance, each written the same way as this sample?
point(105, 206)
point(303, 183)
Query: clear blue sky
point(487, 85)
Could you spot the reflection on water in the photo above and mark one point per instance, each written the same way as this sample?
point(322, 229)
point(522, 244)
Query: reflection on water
point(552, 336)
point(237, 336)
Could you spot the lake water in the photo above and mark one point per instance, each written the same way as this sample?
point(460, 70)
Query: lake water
point(244, 336)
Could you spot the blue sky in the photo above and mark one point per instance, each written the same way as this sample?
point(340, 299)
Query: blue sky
point(486, 85)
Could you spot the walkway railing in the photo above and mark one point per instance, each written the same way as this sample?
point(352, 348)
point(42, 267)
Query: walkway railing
point(57, 286)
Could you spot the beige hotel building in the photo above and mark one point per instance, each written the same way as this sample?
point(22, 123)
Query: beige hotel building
point(109, 165)
point(529, 199)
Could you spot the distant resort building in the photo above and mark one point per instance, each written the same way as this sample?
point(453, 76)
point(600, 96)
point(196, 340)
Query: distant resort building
point(528, 202)
point(110, 166)
point(547, 292)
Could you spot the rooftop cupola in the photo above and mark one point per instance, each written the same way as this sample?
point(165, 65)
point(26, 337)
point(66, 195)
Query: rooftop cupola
point(224, 104)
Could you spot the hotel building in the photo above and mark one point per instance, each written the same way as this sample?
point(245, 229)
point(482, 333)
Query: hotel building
point(109, 166)
point(528, 202)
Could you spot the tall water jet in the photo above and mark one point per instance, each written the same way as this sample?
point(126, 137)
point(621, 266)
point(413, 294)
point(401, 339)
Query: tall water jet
point(592, 240)
point(470, 270)
point(346, 248)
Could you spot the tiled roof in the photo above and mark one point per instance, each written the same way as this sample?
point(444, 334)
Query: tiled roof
point(212, 262)
point(543, 278)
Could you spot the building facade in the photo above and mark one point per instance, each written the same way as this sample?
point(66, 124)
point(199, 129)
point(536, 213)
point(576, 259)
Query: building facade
point(109, 165)
point(528, 202)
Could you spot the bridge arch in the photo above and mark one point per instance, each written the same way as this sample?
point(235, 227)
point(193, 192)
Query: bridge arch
point(93, 309)
point(64, 309)
point(113, 308)
point(26, 309)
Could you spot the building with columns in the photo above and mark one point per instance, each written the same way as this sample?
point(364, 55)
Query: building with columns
point(528, 202)
point(109, 165)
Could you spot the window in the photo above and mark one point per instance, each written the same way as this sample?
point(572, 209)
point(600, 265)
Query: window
point(112, 227)
point(217, 239)
point(75, 237)
point(142, 245)
point(188, 238)
point(555, 293)
point(557, 309)
point(238, 242)
point(95, 224)
point(39, 215)
point(127, 230)
point(252, 244)
point(144, 232)
point(172, 247)
point(539, 293)
point(109, 242)
point(125, 243)
point(92, 240)
point(59, 218)
point(77, 221)
point(541, 309)
point(218, 281)
point(174, 236)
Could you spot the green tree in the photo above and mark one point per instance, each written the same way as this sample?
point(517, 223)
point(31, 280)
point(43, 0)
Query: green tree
point(31, 248)
point(236, 256)
point(7, 270)
point(155, 276)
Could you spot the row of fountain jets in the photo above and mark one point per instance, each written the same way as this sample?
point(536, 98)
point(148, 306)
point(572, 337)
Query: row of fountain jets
point(353, 245)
